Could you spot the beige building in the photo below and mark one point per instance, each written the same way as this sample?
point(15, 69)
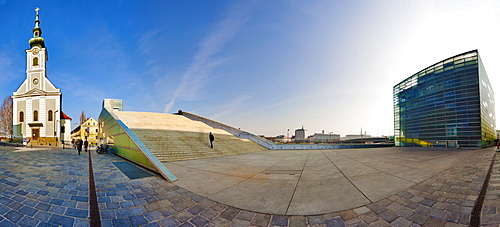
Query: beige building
point(37, 102)
point(89, 130)
point(325, 138)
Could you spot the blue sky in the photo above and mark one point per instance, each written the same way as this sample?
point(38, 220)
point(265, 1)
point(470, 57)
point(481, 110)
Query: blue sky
point(262, 66)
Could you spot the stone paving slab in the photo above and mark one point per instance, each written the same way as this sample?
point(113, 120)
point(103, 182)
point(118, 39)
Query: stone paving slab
point(311, 182)
point(50, 188)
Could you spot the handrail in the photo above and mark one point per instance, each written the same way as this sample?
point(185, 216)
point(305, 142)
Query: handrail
point(237, 132)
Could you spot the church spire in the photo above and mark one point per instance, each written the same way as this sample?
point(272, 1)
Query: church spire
point(37, 40)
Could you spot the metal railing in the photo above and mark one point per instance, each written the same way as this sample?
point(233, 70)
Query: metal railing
point(237, 132)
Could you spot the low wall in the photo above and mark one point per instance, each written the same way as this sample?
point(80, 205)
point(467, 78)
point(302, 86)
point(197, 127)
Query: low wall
point(291, 146)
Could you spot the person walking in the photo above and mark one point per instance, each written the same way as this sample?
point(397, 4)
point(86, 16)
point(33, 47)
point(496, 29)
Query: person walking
point(212, 138)
point(79, 144)
point(86, 145)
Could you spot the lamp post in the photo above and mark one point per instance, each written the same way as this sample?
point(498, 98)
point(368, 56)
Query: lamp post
point(55, 122)
point(287, 136)
point(330, 136)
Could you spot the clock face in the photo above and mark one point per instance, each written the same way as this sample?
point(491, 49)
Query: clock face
point(35, 51)
point(35, 81)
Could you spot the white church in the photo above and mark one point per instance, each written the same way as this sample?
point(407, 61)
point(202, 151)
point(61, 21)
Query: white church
point(38, 116)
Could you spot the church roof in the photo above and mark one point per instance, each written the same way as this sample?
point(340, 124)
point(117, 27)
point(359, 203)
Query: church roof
point(64, 116)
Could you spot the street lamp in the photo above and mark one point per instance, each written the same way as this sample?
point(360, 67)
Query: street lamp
point(55, 122)
point(287, 137)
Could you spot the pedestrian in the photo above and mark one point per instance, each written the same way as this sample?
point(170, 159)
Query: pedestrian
point(86, 145)
point(212, 138)
point(79, 144)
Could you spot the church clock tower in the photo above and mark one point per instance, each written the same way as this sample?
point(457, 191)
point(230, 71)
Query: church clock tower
point(36, 58)
point(37, 102)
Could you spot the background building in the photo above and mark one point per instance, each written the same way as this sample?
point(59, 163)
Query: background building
point(65, 128)
point(89, 130)
point(300, 135)
point(37, 108)
point(325, 138)
point(449, 104)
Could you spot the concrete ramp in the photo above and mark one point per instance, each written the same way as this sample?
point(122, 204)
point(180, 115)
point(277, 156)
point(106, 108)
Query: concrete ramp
point(173, 137)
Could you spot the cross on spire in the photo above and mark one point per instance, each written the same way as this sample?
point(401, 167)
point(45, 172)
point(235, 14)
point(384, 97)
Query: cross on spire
point(37, 40)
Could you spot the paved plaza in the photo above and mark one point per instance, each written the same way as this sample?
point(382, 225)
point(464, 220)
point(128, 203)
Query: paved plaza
point(311, 182)
point(358, 187)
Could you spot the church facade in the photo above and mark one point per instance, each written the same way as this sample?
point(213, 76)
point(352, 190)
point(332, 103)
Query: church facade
point(38, 116)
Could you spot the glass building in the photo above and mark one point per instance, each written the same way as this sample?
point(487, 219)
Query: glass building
point(449, 104)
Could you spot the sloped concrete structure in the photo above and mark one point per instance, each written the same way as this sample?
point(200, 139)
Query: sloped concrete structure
point(113, 131)
point(151, 138)
point(172, 137)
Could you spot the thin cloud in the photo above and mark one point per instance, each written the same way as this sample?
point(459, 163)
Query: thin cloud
point(72, 85)
point(204, 60)
point(232, 106)
point(149, 42)
point(7, 68)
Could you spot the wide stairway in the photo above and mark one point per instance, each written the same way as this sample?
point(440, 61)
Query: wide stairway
point(174, 137)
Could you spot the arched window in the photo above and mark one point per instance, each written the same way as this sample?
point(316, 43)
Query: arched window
point(50, 115)
point(21, 116)
point(35, 61)
point(35, 115)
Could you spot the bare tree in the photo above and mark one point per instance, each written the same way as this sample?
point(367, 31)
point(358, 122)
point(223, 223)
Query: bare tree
point(82, 118)
point(6, 116)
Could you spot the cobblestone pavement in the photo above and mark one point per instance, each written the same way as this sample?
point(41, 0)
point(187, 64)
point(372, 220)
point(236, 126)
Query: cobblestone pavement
point(50, 188)
point(490, 215)
point(43, 188)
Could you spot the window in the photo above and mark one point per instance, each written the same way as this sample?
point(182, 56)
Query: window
point(35, 61)
point(451, 130)
point(96, 130)
point(50, 115)
point(21, 116)
point(35, 115)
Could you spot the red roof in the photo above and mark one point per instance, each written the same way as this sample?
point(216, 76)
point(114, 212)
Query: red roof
point(64, 116)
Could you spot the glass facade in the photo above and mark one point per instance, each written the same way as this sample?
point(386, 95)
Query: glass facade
point(125, 143)
point(449, 104)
